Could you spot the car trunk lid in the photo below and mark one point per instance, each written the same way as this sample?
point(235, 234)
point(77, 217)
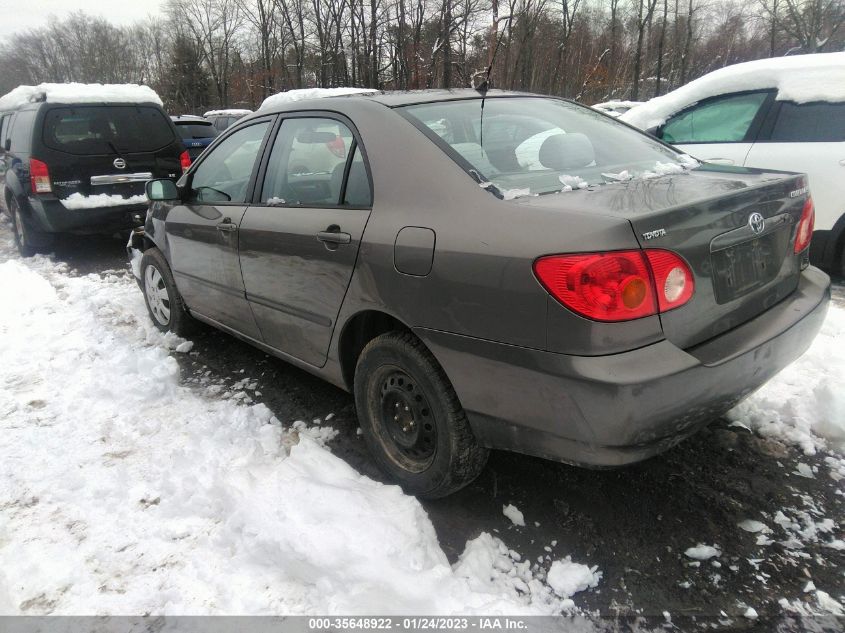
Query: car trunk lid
point(734, 227)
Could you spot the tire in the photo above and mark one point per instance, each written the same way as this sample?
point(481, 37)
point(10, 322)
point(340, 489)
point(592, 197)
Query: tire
point(164, 303)
point(28, 240)
point(412, 420)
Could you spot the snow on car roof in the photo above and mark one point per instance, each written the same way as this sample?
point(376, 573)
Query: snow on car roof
point(228, 112)
point(310, 93)
point(79, 93)
point(802, 78)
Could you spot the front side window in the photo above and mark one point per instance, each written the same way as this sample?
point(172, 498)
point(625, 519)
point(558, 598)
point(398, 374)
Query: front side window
point(532, 145)
point(307, 163)
point(810, 122)
point(106, 129)
point(721, 120)
point(223, 176)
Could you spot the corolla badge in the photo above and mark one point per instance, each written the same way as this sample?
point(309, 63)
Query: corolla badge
point(119, 163)
point(757, 222)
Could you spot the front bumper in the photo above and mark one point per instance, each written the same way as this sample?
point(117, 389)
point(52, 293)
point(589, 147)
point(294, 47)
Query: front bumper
point(51, 216)
point(622, 408)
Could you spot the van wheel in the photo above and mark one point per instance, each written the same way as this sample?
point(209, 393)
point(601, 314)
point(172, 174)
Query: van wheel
point(164, 303)
point(412, 420)
point(28, 240)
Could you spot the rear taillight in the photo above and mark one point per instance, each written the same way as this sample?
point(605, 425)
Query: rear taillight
point(39, 176)
point(337, 147)
point(673, 281)
point(806, 224)
point(618, 285)
point(185, 160)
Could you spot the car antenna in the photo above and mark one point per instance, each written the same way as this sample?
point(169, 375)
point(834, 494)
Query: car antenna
point(484, 86)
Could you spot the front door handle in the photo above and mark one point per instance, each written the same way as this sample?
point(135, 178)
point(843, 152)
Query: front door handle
point(227, 226)
point(333, 235)
point(720, 161)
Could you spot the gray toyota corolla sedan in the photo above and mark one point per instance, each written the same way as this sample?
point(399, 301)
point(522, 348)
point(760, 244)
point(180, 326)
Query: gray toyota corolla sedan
point(511, 272)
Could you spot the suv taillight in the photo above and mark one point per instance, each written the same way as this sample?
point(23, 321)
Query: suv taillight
point(185, 160)
point(337, 147)
point(806, 224)
point(618, 285)
point(39, 176)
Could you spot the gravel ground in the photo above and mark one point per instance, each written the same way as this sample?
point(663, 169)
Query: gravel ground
point(635, 523)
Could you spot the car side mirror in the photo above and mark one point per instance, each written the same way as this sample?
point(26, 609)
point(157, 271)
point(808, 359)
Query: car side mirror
point(161, 190)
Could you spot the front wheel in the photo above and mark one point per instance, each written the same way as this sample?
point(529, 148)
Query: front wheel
point(412, 420)
point(164, 303)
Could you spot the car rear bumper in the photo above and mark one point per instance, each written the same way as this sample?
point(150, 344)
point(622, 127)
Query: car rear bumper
point(617, 409)
point(52, 216)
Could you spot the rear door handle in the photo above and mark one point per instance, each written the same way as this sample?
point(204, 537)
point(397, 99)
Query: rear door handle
point(334, 237)
point(227, 226)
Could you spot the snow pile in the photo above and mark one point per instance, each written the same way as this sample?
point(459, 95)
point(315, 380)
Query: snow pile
point(567, 578)
point(80, 93)
point(227, 112)
point(802, 78)
point(703, 552)
point(125, 492)
point(290, 96)
point(805, 403)
point(513, 513)
point(572, 182)
point(615, 108)
point(98, 201)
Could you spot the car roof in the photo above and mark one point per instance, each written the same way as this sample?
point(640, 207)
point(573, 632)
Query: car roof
point(391, 99)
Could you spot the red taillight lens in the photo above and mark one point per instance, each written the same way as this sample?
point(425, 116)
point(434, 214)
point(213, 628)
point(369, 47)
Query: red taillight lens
point(337, 147)
point(673, 281)
point(806, 224)
point(619, 285)
point(39, 176)
point(185, 160)
point(600, 286)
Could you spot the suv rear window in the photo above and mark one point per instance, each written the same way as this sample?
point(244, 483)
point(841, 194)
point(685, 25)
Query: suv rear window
point(104, 129)
point(190, 131)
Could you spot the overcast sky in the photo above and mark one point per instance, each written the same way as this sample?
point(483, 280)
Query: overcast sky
point(19, 15)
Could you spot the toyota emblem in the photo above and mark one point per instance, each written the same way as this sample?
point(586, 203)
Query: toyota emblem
point(757, 223)
point(119, 163)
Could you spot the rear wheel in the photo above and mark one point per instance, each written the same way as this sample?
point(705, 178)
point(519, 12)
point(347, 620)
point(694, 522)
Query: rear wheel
point(412, 420)
point(28, 240)
point(164, 303)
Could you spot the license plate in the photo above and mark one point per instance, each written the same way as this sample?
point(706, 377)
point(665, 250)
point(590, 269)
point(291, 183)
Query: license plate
point(745, 267)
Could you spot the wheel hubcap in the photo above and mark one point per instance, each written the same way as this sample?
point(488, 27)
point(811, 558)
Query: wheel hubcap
point(406, 416)
point(157, 297)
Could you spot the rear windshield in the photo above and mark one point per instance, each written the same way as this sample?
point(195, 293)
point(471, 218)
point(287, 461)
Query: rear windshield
point(106, 129)
point(189, 131)
point(531, 145)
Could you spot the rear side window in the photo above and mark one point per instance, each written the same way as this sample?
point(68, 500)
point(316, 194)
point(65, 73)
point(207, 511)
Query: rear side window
point(4, 128)
point(809, 122)
point(193, 131)
point(106, 129)
point(308, 162)
point(722, 120)
point(20, 131)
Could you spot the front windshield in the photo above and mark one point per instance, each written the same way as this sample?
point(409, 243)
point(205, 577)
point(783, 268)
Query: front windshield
point(533, 145)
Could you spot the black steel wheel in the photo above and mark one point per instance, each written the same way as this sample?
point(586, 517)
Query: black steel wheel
point(411, 418)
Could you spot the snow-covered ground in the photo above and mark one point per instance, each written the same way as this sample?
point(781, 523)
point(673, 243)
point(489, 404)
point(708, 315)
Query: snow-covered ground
point(123, 491)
